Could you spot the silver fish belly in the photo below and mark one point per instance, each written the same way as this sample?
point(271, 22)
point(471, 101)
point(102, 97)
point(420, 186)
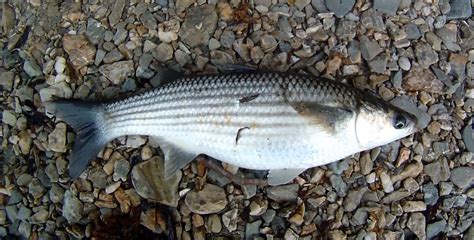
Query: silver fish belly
point(281, 122)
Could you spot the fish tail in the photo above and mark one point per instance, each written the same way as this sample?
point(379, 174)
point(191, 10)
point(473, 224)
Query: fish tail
point(88, 122)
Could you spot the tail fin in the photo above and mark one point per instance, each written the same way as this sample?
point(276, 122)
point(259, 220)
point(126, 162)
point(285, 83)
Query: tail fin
point(87, 121)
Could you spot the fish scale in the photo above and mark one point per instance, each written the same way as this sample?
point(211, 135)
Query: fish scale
point(253, 120)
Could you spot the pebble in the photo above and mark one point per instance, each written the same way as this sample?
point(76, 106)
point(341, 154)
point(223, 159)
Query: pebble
point(414, 206)
point(433, 171)
point(211, 199)
point(56, 193)
point(24, 179)
point(117, 72)
point(422, 80)
point(353, 199)
point(229, 219)
point(369, 48)
point(425, 55)
point(285, 193)
point(113, 56)
point(404, 63)
point(445, 188)
point(32, 68)
point(98, 177)
point(340, 8)
point(168, 31)
point(386, 182)
point(214, 224)
point(8, 117)
point(35, 188)
point(417, 224)
point(433, 229)
point(268, 43)
point(23, 213)
point(81, 52)
point(148, 180)
point(430, 193)
point(462, 177)
point(388, 7)
point(72, 208)
point(459, 9)
point(198, 26)
point(339, 185)
point(252, 229)
point(121, 169)
point(116, 13)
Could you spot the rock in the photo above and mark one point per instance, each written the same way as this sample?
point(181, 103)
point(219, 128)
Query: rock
point(433, 171)
point(31, 68)
point(35, 188)
point(417, 224)
point(121, 169)
point(24, 229)
point(258, 207)
point(211, 199)
point(199, 25)
point(98, 177)
point(220, 58)
point(52, 172)
point(117, 72)
point(422, 80)
point(459, 9)
point(462, 177)
point(339, 185)
point(148, 180)
point(230, 218)
point(57, 138)
point(81, 52)
point(252, 229)
point(388, 7)
point(23, 213)
point(352, 201)
point(467, 136)
point(449, 40)
point(24, 179)
point(56, 193)
point(24, 141)
point(412, 30)
point(113, 56)
point(433, 229)
point(425, 55)
point(163, 52)
point(340, 8)
point(396, 196)
point(404, 63)
point(430, 193)
point(9, 118)
point(39, 217)
point(227, 39)
point(214, 224)
point(369, 48)
point(414, 206)
point(72, 208)
point(149, 20)
point(95, 32)
point(386, 182)
point(285, 193)
point(268, 43)
point(116, 13)
point(168, 31)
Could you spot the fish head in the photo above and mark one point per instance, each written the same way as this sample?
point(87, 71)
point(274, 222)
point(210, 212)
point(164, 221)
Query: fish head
point(378, 125)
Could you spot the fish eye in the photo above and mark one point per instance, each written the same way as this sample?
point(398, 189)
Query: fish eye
point(399, 121)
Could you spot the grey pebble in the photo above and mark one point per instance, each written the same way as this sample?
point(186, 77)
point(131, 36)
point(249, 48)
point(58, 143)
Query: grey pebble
point(430, 193)
point(433, 229)
point(339, 185)
point(268, 216)
point(340, 8)
point(440, 21)
point(163, 52)
point(352, 200)
point(417, 224)
point(51, 172)
point(35, 188)
point(359, 217)
point(117, 11)
point(120, 36)
point(425, 55)
point(24, 229)
point(23, 213)
point(252, 229)
point(98, 177)
point(369, 48)
point(24, 179)
point(404, 64)
point(462, 177)
point(95, 32)
point(227, 39)
point(433, 171)
point(319, 5)
point(379, 63)
point(387, 6)
point(284, 193)
point(32, 68)
point(459, 9)
point(149, 20)
point(72, 208)
point(56, 193)
point(15, 196)
point(121, 170)
point(203, 16)
point(130, 84)
point(214, 44)
point(445, 188)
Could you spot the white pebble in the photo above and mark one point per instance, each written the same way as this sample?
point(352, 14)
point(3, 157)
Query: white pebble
point(60, 65)
point(404, 63)
point(386, 182)
point(370, 178)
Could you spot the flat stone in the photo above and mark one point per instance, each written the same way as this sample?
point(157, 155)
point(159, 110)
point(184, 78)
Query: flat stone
point(199, 25)
point(422, 80)
point(433, 229)
point(116, 13)
point(462, 177)
point(56, 193)
point(121, 169)
point(339, 185)
point(459, 9)
point(149, 20)
point(388, 7)
point(252, 229)
point(340, 8)
point(168, 31)
point(211, 199)
point(35, 188)
point(163, 52)
point(268, 43)
point(425, 55)
point(369, 48)
point(414, 206)
point(433, 171)
point(98, 177)
point(430, 193)
point(117, 72)
point(285, 193)
point(417, 224)
point(81, 52)
point(113, 56)
point(95, 32)
point(352, 200)
point(72, 208)
point(149, 182)
point(386, 182)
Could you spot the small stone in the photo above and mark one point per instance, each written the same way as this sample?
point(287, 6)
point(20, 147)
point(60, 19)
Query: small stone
point(24, 179)
point(404, 63)
point(56, 193)
point(425, 55)
point(81, 52)
point(413, 32)
point(258, 207)
point(252, 229)
point(433, 171)
point(8, 117)
point(422, 80)
point(440, 21)
point(430, 194)
point(168, 31)
point(163, 52)
point(214, 44)
point(352, 201)
point(449, 39)
point(462, 177)
point(35, 188)
point(459, 9)
point(149, 181)
point(268, 43)
point(199, 25)
point(417, 224)
point(24, 229)
point(229, 219)
point(149, 20)
point(121, 169)
point(39, 217)
point(52, 172)
point(379, 64)
point(369, 48)
point(214, 223)
point(113, 56)
point(388, 7)
point(414, 206)
point(32, 68)
point(340, 8)
point(227, 39)
point(98, 177)
point(386, 182)
point(23, 213)
point(339, 185)
point(285, 193)
point(396, 196)
point(411, 185)
point(433, 229)
point(116, 13)
point(445, 188)
point(72, 208)
point(117, 72)
point(57, 138)
point(211, 199)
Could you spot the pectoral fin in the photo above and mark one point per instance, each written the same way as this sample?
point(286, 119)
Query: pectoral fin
point(326, 117)
point(175, 158)
point(282, 176)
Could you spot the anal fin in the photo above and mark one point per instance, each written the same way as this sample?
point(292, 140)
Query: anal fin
point(282, 176)
point(175, 157)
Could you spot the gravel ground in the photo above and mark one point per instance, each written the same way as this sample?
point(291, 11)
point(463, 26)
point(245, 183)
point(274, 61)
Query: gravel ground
point(417, 54)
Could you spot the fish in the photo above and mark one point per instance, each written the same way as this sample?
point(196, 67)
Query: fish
point(281, 122)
